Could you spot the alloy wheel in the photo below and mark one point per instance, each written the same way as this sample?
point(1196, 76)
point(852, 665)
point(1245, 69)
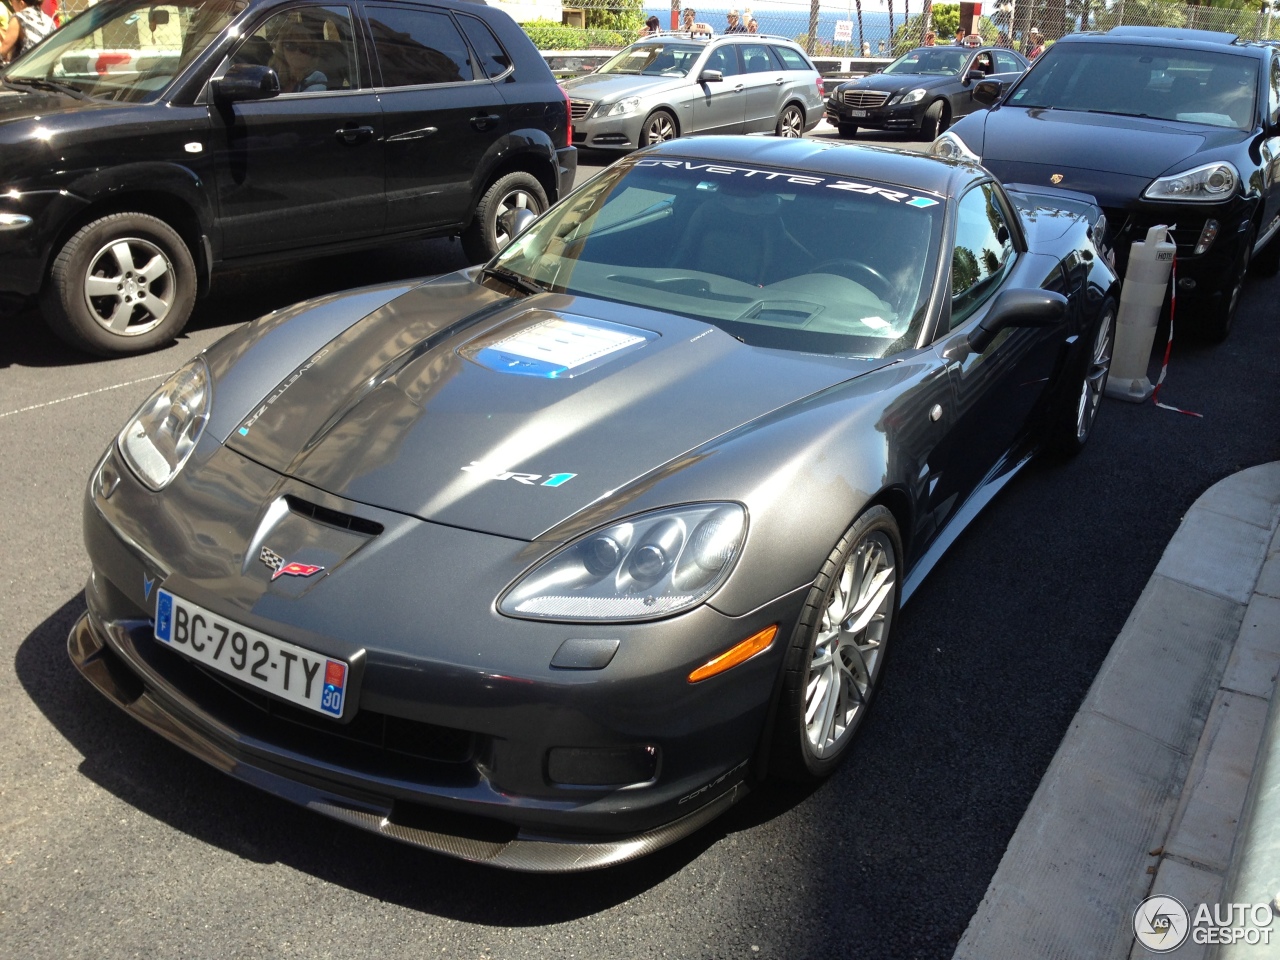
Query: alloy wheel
point(129, 286)
point(517, 199)
point(791, 123)
point(1095, 378)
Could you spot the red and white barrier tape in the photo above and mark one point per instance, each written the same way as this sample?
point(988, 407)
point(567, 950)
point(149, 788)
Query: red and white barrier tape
point(1168, 347)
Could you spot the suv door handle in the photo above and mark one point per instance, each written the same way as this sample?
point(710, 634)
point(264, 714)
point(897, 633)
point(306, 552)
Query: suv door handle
point(778, 82)
point(353, 134)
point(482, 121)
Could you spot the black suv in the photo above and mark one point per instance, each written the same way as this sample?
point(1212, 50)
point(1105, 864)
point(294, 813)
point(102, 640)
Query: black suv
point(145, 145)
point(1180, 127)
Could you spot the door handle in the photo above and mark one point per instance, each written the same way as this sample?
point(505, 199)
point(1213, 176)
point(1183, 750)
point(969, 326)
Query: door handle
point(483, 120)
point(738, 88)
point(778, 82)
point(353, 134)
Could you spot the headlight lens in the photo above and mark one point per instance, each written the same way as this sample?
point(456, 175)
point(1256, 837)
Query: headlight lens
point(650, 566)
point(623, 107)
point(1213, 181)
point(160, 437)
point(951, 147)
point(913, 96)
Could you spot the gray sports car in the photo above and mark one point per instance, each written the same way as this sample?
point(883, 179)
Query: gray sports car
point(545, 563)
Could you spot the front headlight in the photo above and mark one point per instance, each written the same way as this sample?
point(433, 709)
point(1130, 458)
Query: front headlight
point(160, 437)
point(1212, 182)
point(912, 96)
point(649, 566)
point(622, 108)
point(951, 147)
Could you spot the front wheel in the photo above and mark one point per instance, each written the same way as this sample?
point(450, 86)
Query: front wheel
point(659, 127)
point(123, 284)
point(837, 651)
point(1076, 418)
point(936, 119)
point(1216, 323)
point(847, 130)
point(490, 228)
point(790, 122)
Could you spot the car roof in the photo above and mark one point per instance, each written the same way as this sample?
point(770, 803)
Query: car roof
point(1171, 37)
point(919, 172)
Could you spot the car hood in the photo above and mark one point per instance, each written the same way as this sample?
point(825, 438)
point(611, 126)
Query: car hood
point(897, 81)
point(405, 410)
point(617, 86)
point(1128, 146)
point(37, 104)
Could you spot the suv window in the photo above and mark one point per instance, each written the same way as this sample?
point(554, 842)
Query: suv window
point(724, 59)
point(983, 251)
point(495, 60)
point(756, 58)
point(311, 49)
point(792, 59)
point(1007, 62)
point(417, 46)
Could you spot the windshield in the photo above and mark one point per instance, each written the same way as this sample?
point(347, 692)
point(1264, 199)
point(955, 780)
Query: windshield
point(126, 51)
point(1192, 86)
point(777, 258)
point(931, 61)
point(655, 60)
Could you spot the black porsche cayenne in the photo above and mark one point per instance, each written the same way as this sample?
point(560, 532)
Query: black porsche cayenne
point(1161, 125)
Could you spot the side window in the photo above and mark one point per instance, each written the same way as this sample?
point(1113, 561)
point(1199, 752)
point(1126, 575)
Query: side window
point(756, 58)
point(493, 59)
point(983, 251)
point(1273, 97)
point(1006, 63)
point(417, 46)
point(725, 60)
point(791, 59)
point(312, 49)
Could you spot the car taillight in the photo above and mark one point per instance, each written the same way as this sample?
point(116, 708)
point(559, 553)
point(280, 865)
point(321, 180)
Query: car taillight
point(568, 119)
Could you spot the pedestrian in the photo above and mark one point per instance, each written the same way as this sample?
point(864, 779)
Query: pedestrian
point(930, 39)
point(651, 26)
point(1035, 44)
point(735, 23)
point(753, 26)
point(27, 27)
point(692, 27)
point(959, 40)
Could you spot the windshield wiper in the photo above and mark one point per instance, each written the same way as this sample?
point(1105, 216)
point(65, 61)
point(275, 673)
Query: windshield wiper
point(51, 85)
point(513, 279)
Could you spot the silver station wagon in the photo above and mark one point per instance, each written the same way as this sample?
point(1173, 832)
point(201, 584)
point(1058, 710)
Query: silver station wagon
point(671, 85)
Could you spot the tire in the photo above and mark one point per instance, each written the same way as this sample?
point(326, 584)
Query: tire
point(658, 127)
point(123, 284)
point(1217, 320)
point(490, 228)
point(936, 119)
point(1069, 433)
point(790, 122)
point(824, 697)
point(847, 130)
point(1267, 262)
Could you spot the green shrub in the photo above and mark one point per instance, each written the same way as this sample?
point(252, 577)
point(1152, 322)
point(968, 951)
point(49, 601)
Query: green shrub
point(549, 35)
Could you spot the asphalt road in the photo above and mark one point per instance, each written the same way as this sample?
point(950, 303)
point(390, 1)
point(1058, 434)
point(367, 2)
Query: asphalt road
point(115, 844)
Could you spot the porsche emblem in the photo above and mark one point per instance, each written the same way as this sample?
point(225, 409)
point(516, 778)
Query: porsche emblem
point(1056, 178)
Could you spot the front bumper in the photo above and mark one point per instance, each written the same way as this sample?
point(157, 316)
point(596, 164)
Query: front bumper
point(29, 226)
point(609, 133)
point(458, 710)
point(897, 117)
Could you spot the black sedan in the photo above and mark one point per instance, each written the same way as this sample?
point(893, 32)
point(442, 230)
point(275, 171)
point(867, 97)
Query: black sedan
point(545, 563)
point(923, 90)
point(1162, 126)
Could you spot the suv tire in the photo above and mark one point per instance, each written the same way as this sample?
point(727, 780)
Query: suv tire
point(490, 228)
point(122, 284)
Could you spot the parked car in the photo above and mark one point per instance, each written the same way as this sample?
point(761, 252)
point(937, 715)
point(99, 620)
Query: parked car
point(924, 90)
point(673, 85)
point(1162, 126)
point(278, 130)
point(543, 564)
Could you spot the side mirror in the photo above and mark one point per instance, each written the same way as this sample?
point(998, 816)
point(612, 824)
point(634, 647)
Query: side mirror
point(987, 92)
point(1018, 308)
point(973, 75)
point(157, 17)
point(521, 220)
point(711, 76)
point(246, 81)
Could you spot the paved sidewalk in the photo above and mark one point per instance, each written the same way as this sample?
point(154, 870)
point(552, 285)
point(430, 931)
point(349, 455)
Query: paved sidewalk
point(1147, 792)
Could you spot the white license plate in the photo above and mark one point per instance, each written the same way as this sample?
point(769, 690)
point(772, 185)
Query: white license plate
point(857, 113)
point(290, 672)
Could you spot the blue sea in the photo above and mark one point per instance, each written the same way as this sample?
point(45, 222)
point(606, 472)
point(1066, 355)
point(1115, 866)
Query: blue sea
point(794, 21)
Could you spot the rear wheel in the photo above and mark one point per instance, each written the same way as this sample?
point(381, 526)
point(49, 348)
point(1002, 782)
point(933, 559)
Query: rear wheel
point(847, 130)
point(936, 119)
point(790, 122)
point(837, 650)
point(659, 127)
point(490, 228)
point(122, 284)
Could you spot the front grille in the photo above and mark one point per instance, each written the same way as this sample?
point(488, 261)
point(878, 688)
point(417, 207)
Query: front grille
point(579, 109)
point(863, 98)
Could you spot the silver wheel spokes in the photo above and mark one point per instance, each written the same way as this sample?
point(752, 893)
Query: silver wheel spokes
point(1096, 377)
point(847, 650)
point(513, 201)
point(791, 123)
point(129, 286)
point(661, 129)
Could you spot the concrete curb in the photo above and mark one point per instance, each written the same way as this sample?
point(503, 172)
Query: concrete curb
point(1147, 789)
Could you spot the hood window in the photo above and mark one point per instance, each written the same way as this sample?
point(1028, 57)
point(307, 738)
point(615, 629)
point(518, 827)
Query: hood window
point(1132, 80)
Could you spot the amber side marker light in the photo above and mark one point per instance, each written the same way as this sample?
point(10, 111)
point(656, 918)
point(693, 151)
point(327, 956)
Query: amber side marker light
point(738, 653)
